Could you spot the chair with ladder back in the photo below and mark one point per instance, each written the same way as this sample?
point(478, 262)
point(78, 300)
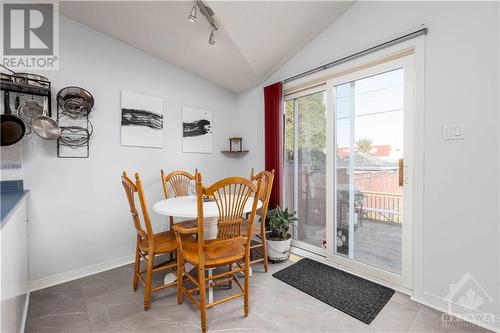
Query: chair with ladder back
point(229, 248)
point(148, 244)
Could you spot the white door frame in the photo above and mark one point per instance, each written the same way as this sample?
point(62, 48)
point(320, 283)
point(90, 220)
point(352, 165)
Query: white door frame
point(405, 279)
point(413, 284)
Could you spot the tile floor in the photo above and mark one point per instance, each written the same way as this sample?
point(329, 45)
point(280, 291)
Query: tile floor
point(105, 302)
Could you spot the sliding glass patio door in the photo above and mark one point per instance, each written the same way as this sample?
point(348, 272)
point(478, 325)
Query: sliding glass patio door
point(368, 174)
point(347, 174)
point(305, 166)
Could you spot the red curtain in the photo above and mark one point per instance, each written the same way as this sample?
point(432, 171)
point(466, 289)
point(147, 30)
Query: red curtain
point(273, 116)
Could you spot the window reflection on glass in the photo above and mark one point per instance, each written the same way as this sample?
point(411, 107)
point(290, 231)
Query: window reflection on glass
point(305, 166)
point(369, 137)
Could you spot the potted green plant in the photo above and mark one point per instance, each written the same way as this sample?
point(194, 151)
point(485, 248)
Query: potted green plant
point(278, 239)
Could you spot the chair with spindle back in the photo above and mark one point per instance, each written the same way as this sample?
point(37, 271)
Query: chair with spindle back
point(179, 181)
point(230, 247)
point(148, 243)
point(259, 229)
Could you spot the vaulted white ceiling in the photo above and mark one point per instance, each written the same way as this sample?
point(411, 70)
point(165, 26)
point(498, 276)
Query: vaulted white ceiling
point(255, 37)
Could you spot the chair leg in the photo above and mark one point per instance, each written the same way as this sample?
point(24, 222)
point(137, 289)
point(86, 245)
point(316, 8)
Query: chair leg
point(264, 249)
point(180, 268)
point(137, 266)
point(251, 250)
point(247, 280)
point(203, 299)
point(149, 278)
point(230, 277)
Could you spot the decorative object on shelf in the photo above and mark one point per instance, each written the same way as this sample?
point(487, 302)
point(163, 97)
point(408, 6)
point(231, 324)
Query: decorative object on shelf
point(278, 239)
point(235, 146)
point(74, 106)
point(234, 143)
point(141, 120)
point(197, 130)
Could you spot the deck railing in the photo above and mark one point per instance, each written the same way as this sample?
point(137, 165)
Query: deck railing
point(382, 206)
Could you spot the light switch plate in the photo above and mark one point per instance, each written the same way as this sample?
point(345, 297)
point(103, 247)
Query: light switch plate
point(454, 132)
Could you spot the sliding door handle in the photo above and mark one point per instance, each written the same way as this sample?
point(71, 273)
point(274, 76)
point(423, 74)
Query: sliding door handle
point(401, 172)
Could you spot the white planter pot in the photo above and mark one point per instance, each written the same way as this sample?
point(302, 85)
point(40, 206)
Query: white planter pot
point(278, 250)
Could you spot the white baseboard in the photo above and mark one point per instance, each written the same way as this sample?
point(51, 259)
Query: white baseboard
point(438, 303)
point(25, 313)
point(79, 273)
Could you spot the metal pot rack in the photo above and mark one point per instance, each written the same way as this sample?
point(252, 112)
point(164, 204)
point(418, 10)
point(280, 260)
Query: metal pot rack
point(31, 87)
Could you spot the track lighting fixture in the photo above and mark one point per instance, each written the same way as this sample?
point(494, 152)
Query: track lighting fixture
point(208, 13)
point(211, 39)
point(192, 15)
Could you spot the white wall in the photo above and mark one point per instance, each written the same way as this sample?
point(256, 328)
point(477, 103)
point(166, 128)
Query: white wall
point(79, 214)
point(250, 122)
point(461, 192)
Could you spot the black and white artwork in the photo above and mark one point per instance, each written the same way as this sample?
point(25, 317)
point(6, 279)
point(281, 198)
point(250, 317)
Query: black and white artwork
point(142, 120)
point(196, 130)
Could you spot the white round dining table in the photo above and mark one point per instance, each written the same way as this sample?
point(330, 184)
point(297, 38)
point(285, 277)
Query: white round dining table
point(187, 207)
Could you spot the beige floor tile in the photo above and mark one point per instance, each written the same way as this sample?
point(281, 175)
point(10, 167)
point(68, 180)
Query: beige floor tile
point(105, 302)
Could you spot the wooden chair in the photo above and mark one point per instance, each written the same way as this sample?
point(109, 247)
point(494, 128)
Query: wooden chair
point(179, 181)
point(228, 249)
point(259, 230)
point(148, 244)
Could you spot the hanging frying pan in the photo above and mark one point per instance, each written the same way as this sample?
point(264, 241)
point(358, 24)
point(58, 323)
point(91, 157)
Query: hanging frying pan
point(11, 127)
point(45, 127)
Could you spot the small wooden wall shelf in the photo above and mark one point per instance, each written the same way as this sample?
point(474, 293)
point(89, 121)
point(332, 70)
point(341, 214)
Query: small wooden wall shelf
point(235, 147)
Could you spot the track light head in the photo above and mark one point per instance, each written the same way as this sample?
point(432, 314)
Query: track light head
point(192, 15)
point(211, 39)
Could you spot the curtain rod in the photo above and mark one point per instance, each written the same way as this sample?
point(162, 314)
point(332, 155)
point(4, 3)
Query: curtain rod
point(421, 30)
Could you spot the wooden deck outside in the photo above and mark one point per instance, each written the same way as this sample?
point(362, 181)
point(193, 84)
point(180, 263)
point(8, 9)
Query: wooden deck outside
point(375, 243)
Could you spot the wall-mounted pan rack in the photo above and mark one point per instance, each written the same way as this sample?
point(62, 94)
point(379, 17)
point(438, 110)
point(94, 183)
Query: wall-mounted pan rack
point(30, 86)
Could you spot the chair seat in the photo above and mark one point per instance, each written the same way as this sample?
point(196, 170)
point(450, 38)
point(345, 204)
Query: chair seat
point(164, 242)
point(187, 226)
point(217, 252)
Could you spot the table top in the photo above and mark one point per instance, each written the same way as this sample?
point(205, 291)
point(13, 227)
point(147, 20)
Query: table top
point(187, 207)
